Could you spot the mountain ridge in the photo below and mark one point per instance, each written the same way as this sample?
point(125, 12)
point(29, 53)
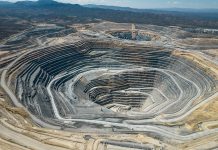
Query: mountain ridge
point(74, 13)
point(150, 9)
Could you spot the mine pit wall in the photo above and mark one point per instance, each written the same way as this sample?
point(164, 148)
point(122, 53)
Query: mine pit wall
point(37, 95)
point(205, 67)
point(152, 36)
point(95, 44)
point(40, 98)
point(39, 92)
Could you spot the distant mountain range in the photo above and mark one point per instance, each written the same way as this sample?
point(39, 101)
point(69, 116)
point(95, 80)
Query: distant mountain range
point(118, 8)
point(62, 13)
point(152, 10)
point(5, 3)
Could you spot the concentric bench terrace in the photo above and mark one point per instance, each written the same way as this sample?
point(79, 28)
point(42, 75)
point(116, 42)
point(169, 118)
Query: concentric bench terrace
point(89, 77)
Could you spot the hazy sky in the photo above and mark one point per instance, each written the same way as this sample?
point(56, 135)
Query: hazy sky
point(149, 3)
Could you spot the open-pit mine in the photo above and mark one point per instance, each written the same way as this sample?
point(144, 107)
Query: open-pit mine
point(109, 86)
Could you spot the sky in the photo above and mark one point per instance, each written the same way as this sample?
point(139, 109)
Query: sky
point(148, 3)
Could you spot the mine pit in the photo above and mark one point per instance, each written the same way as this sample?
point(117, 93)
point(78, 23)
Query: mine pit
point(110, 83)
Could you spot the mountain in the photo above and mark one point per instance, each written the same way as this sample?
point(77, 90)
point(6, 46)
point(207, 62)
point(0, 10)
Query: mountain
point(65, 14)
point(190, 10)
point(154, 10)
point(46, 1)
point(117, 8)
point(39, 3)
point(5, 3)
point(211, 14)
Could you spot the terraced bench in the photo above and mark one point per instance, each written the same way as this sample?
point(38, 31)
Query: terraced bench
point(84, 77)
